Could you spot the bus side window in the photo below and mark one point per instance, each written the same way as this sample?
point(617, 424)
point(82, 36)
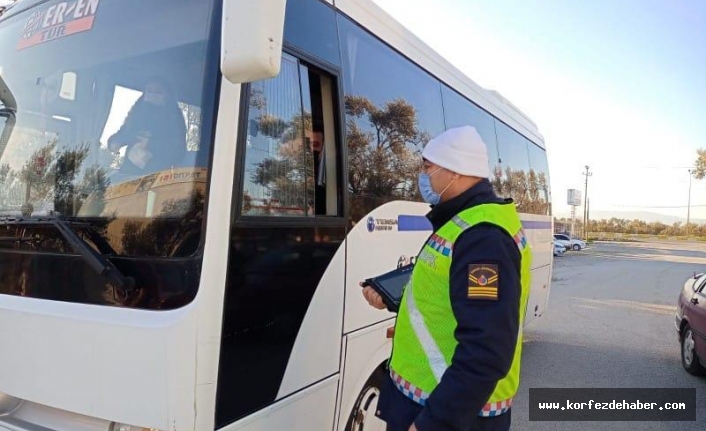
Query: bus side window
point(511, 177)
point(540, 196)
point(291, 155)
point(393, 108)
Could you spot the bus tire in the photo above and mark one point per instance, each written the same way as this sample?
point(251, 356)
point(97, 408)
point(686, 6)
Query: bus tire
point(363, 418)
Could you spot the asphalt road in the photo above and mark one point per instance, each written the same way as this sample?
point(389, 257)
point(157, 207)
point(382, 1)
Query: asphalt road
point(610, 324)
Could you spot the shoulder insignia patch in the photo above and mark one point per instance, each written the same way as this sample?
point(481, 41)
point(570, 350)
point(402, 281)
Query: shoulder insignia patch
point(483, 281)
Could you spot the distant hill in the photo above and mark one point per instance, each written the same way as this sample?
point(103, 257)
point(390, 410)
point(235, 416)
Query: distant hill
point(646, 216)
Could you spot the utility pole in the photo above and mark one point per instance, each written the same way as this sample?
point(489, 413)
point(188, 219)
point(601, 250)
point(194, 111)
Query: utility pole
point(585, 202)
point(688, 207)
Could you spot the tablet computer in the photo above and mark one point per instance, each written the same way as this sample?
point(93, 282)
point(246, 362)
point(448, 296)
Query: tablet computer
point(391, 285)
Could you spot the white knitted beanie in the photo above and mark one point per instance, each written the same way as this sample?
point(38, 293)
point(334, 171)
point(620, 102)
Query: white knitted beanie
point(459, 150)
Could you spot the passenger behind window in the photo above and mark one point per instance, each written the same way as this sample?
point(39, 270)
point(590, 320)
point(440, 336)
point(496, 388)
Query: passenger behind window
point(154, 132)
point(316, 146)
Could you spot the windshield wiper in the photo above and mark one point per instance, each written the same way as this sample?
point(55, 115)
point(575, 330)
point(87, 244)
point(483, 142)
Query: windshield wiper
point(99, 263)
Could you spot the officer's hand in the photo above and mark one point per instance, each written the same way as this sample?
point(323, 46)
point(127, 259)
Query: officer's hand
point(373, 298)
point(413, 427)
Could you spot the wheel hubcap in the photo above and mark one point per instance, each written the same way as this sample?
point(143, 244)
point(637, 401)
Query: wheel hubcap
point(365, 419)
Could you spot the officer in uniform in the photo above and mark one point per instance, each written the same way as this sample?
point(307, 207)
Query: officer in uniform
point(455, 362)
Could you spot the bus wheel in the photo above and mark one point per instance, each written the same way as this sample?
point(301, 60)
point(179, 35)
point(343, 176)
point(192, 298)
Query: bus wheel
point(363, 417)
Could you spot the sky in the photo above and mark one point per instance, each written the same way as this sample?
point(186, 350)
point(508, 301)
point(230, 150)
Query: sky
point(618, 85)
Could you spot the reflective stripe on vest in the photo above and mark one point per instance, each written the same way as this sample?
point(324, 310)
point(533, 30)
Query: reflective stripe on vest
point(436, 358)
point(420, 397)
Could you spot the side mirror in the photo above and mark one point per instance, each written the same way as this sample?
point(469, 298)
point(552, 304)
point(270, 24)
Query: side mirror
point(251, 39)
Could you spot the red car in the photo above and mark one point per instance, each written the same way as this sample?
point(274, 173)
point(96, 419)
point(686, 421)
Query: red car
point(691, 324)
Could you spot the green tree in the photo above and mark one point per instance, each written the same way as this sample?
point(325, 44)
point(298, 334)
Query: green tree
point(700, 164)
point(57, 177)
point(37, 174)
point(529, 190)
point(657, 228)
point(289, 175)
point(67, 168)
point(384, 148)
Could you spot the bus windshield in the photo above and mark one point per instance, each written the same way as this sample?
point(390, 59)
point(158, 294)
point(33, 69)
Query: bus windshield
point(107, 124)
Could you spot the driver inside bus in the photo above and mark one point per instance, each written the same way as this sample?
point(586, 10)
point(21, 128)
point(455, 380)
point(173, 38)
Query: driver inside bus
point(154, 132)
point(315, 140)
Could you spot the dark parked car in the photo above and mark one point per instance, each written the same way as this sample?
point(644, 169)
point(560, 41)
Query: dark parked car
point(691, 324)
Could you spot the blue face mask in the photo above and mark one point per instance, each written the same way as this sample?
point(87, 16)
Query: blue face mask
point(427, 191)
point(425, 188)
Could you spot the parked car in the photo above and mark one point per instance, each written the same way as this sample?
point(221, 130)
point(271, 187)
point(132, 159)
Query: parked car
point(569, 243)
point(559, 249)
point(691, 324)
